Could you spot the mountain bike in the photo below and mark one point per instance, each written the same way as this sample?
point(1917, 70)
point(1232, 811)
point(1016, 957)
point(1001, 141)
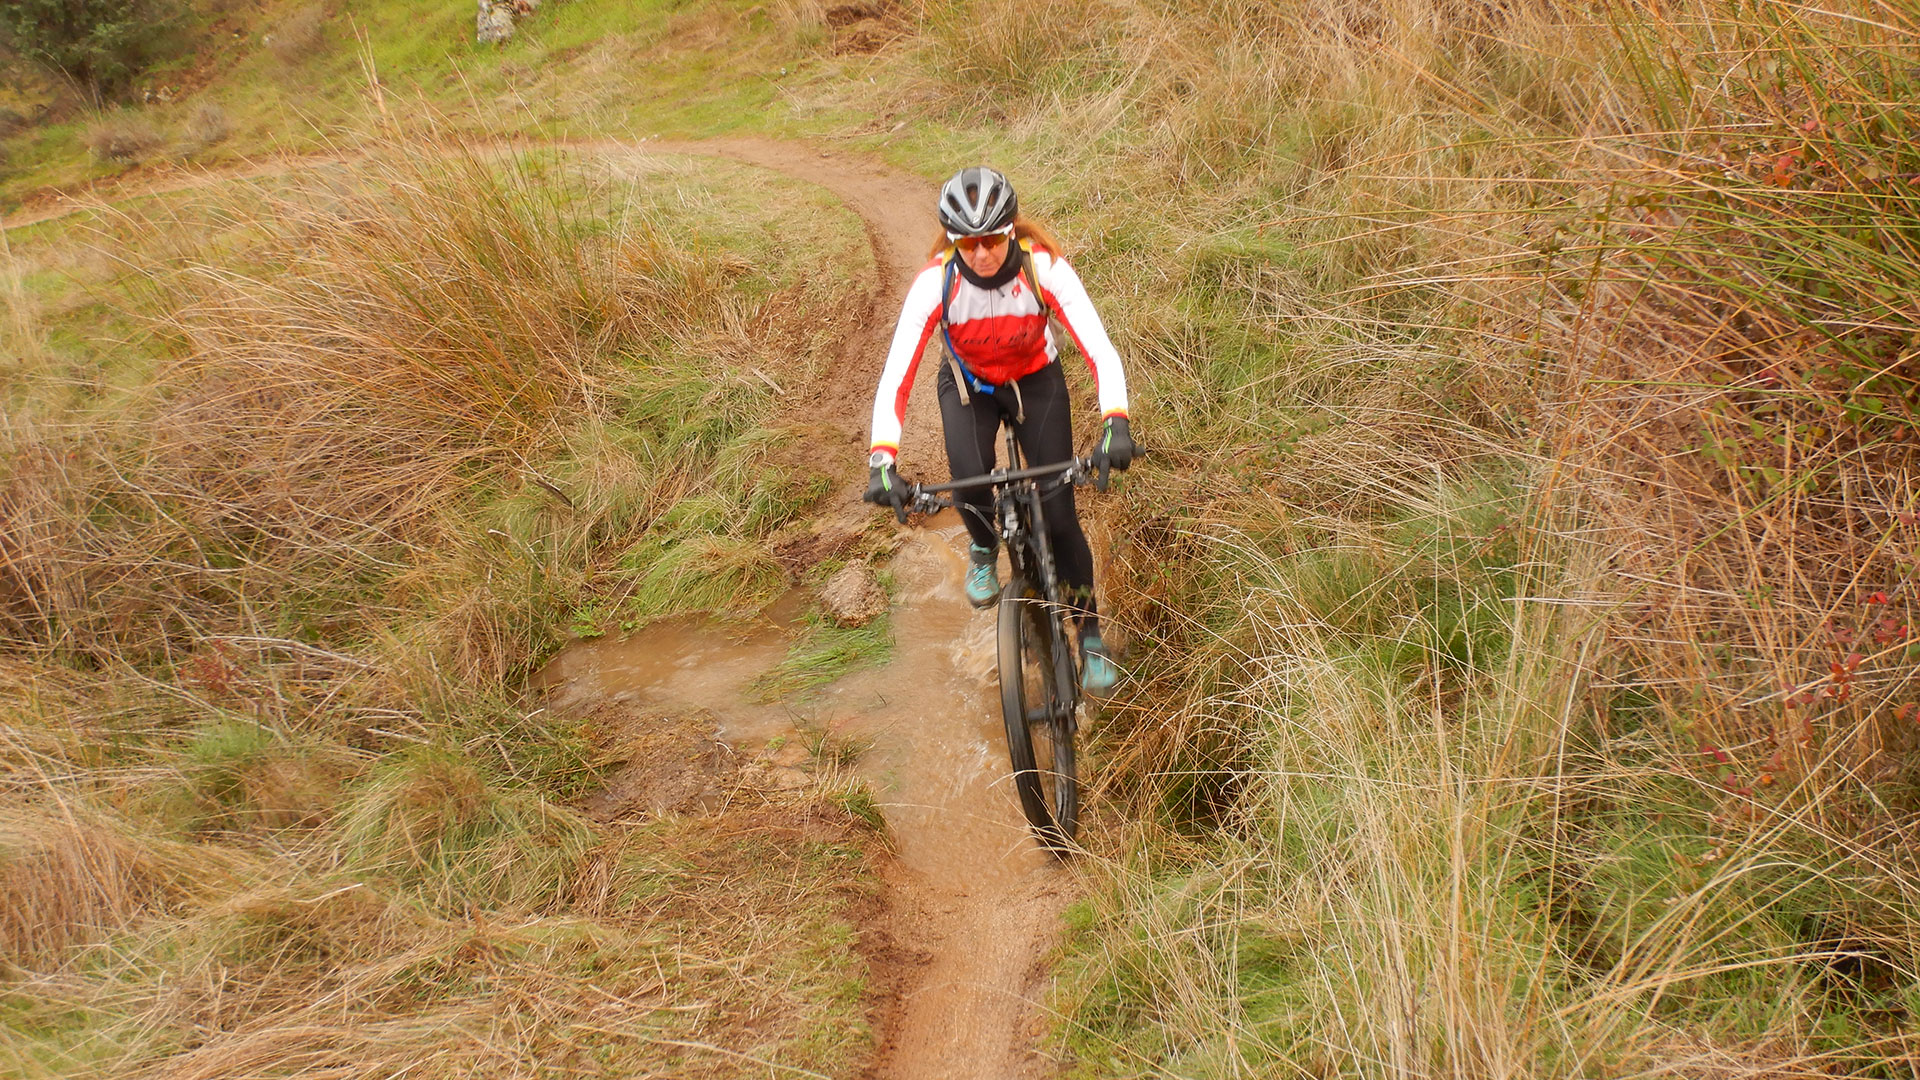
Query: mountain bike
point(1039, 674)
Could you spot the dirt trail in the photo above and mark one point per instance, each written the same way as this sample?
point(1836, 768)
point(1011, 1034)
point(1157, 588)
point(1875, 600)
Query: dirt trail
point(974, 905)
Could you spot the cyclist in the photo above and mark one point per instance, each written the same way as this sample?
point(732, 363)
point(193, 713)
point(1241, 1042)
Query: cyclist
point(992, 281)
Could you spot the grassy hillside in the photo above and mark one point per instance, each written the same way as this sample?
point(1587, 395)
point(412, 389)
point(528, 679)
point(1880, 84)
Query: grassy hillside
point(302, 478)
point(1521, 599)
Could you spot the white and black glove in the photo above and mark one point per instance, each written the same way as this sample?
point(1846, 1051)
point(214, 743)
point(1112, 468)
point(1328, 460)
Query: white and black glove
point(885, 486)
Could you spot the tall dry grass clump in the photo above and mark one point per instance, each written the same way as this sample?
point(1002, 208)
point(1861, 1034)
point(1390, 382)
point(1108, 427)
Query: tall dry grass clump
point(1722, 306)
point(293, 493)
point(1520, 597)
point(374, 357)
point(69, 876)
point(1414, 846)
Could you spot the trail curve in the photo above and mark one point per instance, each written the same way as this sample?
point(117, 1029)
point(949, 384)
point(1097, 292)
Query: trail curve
point(974, 907)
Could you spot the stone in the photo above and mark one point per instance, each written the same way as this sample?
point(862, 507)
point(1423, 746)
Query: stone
point(494, 24)
point(853, 597)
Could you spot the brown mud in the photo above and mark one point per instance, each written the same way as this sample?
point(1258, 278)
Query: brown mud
point(973, 902)
point(973, 905)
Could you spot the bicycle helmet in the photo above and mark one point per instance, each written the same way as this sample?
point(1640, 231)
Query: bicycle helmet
point(977, 201)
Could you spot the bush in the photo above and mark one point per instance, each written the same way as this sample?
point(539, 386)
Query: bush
point(100, 43)
point(303, 34)
point(208, 126)
point(121, 139)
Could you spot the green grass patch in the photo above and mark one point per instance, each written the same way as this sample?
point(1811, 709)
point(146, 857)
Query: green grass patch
point(823, 652)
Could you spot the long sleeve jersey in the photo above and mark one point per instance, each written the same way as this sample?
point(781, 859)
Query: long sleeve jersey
point(1002, 334)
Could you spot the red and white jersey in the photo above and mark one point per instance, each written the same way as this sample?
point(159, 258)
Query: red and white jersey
point(1002, 334)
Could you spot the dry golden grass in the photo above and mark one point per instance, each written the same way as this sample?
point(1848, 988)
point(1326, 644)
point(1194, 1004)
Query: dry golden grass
point(1535, 395)
point(342, 455)
point(697, 947)
point(1737, 385)
point(69, 877)
point(333, 402)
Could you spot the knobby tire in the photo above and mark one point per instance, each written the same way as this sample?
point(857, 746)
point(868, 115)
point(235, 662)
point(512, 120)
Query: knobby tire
point(1041, 749)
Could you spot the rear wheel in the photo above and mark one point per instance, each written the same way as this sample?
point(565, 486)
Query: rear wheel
point(1036, 700)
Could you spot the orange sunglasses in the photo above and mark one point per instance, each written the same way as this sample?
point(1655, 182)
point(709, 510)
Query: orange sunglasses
point(969, 243)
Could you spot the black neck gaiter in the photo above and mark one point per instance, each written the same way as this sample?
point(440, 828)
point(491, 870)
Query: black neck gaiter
point(1009, 269)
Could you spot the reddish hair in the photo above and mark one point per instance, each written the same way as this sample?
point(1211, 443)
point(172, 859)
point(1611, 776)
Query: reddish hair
point(1024, 228)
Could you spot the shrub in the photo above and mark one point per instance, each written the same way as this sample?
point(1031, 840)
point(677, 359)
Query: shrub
point(208, 126)
point(99, 43)
point(122, 139)
point(301, 36)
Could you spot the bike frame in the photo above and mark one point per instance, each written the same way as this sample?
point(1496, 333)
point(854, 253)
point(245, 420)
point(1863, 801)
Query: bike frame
point(1023, 529)
point(1032, 616)
point(1019, 507)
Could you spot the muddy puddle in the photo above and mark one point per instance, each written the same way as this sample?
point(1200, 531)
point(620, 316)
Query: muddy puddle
point(930, 715)
point(977, 901)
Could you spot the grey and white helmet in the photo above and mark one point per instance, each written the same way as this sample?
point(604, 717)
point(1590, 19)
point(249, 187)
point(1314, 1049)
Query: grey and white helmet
point(977, 201)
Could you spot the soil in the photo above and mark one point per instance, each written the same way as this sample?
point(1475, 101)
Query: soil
point(972, 893)
point(973, 906)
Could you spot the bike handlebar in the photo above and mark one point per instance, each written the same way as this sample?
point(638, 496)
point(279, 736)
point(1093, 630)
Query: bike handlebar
point(921, 498)
point(1076, 470)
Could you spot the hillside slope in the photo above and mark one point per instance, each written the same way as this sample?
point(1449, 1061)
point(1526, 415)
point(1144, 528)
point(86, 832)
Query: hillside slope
point(1519, 602)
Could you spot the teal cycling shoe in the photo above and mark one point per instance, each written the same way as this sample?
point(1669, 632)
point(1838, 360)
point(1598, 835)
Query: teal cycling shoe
point(983, 576)
point(1098, 673)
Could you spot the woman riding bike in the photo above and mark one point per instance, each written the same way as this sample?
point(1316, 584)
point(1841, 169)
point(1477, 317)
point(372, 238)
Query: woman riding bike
point(993, 279)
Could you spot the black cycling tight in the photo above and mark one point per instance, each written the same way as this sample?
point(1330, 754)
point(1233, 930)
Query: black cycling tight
point(1045, 437)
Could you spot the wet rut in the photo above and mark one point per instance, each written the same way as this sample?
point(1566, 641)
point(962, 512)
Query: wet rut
point(973, 902)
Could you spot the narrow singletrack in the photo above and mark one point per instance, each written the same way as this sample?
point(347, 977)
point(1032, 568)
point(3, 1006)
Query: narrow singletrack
point(972, 903)
point(976, 897)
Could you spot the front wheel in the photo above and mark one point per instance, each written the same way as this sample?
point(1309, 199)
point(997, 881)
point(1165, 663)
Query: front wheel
point(1037, 701)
